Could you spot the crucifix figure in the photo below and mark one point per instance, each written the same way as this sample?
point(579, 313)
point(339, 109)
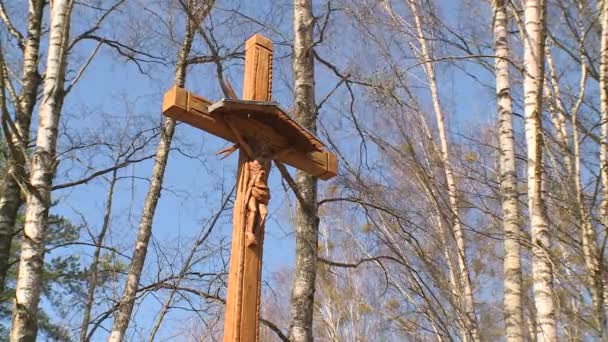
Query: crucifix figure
point(263, 133)
point(257, 198)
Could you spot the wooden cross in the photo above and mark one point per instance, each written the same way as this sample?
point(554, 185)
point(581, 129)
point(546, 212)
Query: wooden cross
point(263, 132)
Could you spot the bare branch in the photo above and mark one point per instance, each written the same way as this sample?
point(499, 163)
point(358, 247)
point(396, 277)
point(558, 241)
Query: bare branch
point(102, 172)
point(11, 28)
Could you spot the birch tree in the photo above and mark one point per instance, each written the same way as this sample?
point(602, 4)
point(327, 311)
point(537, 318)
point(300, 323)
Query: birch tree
point(307, 220)
point(604, 107)
point(603, 83)
point(542, 273)
point(10, 198)
point(123, 316)
point(423, 235)
point(582, 217)
point(603, 87)
point(42, 169)
point(94, 277)
point(593, 259)
point(514, 323)
point(463, 272)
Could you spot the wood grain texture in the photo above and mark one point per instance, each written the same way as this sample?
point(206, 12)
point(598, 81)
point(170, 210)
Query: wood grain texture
point(271, 114)
point(257, 84)
point(242, 317)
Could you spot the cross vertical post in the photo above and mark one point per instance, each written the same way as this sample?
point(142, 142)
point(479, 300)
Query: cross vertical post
point(241, 321)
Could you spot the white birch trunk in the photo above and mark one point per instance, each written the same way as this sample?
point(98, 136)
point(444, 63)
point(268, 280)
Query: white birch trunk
point(307, 221)
point(43, 163)
point(604, 118)
point(542, 271)
point(465, 279)
point(604, 109)
point(513, 312)
point(558, 117)
point(443, 237)
point(591, 252)
point(10, 199)
point(123, 316)
point(589, 237)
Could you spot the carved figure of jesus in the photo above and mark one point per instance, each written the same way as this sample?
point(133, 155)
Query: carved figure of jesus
point(257, 197)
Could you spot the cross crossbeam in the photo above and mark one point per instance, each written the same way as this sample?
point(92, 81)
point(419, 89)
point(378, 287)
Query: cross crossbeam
point(301, 149)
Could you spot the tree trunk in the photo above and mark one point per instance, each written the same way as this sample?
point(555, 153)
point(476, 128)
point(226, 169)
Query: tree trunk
point(93, 277)
point(604, 109)
point(465, 279)
point(121, 321)
point(10, 199)
point(514, 323)
point(43, 164)
point(307, 221)
point(185, 268)
point(604, 118)
point(542, 273)
point(591, 252)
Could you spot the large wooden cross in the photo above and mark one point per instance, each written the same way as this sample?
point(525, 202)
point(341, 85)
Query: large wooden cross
point(263, 132)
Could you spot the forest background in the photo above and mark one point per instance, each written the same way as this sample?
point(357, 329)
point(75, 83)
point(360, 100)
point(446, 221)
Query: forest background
point(472, 196)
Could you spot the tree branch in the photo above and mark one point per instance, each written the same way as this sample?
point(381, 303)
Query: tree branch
point(11, 28)
point(101, 172)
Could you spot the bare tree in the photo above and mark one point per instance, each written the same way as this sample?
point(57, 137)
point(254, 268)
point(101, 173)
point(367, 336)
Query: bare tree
point(429, 105)
point(534, 40)
point(43, 164)
point(464, 277)
point(514, 322)
point(123, 316)
point(10, 197)
point(603, 85)
point(307, 220)
point(94, 274)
